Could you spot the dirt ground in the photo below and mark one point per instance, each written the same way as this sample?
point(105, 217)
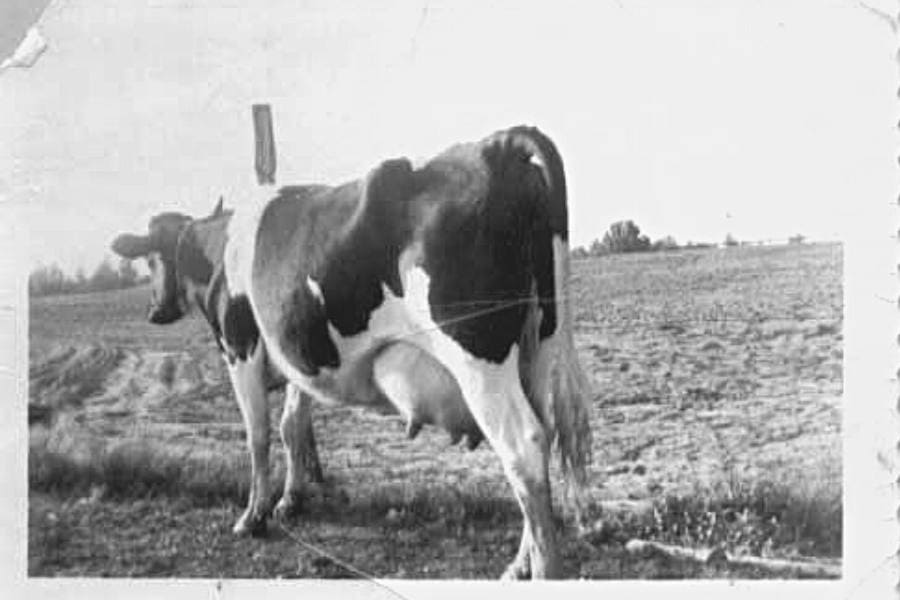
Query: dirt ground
point(713, 371)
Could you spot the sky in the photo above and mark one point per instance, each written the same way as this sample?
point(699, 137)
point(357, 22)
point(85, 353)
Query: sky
point(758, 119)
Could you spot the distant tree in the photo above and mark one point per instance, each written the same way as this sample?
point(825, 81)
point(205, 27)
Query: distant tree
point(80, 279)
point(699, 245)
point(580, 252)
point(598, 249)
point(104, 277)
point(46, 280)
point(625, 236)
point(796, 239)
point(50, 280)
point(731, 241)
point(666, 243)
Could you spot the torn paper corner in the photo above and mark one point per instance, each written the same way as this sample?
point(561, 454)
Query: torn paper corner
point(28, 51)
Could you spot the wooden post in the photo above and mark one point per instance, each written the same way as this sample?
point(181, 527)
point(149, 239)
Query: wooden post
point(265, 144)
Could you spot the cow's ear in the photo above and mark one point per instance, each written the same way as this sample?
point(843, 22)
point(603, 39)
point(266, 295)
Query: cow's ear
point(129, 245)
point(219, 209)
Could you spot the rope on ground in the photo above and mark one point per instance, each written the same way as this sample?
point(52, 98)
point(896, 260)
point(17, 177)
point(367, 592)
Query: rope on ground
point(343, 564)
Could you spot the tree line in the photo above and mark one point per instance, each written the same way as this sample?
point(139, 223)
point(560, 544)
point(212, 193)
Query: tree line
point(622, 237)
point(626, 236)
point(48, 280)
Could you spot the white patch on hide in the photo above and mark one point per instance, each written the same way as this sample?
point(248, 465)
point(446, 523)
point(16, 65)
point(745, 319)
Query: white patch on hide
point(240, 246)
point(315, 289)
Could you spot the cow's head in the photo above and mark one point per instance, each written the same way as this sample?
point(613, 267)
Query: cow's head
point(160, 247)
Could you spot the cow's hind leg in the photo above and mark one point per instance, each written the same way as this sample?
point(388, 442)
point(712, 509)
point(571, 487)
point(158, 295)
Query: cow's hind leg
point(248, 378)
point(496, 399)
point(301, 455)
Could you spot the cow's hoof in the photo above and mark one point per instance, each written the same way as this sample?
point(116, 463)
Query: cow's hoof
point(249, 525)
point(288, 507)
point(316, 475)
point(516, 571)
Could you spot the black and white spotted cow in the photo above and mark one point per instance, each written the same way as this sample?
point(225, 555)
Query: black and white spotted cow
point(440, 291)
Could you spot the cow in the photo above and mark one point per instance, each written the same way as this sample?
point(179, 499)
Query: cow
point(439, 291)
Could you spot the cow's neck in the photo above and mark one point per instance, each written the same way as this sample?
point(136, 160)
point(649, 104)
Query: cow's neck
point(200, 258)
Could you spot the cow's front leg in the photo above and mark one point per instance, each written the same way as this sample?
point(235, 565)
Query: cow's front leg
point(248, 378)
point(301, 455)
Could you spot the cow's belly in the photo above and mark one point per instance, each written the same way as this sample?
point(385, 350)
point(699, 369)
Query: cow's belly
point(387, 368)
point(399, 377)
point(424, 392)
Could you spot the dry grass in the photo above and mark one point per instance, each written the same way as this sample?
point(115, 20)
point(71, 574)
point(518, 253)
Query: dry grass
point(135, 470)
point(763, 518)
point(760, 518)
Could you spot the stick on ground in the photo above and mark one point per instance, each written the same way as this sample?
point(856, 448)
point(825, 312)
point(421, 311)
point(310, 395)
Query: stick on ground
point(706, 555)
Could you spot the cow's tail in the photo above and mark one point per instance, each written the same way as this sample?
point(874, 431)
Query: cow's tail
point(570, 390)
point(565, 409)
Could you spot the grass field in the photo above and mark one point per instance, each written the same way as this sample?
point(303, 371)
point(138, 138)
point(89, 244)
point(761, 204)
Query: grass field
point(717, 379)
